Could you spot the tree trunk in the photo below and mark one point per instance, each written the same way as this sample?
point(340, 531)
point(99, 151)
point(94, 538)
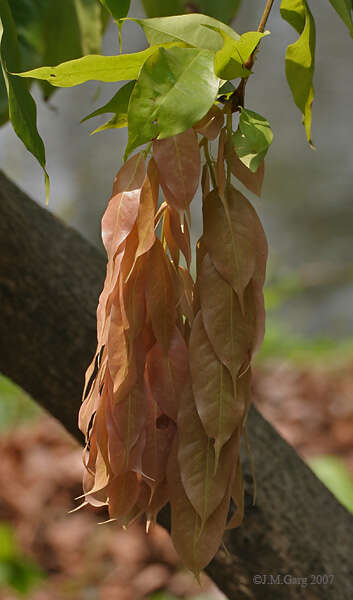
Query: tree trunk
point(50, 279)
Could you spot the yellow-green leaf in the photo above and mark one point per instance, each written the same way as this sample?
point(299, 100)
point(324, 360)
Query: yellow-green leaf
point(189, 29)
point(217, 406)
point(118, 105)
point(300, 57)
point(92, 67)
point(229, 60)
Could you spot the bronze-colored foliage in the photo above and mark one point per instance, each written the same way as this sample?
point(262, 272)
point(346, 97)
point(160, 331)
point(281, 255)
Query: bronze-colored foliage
point(167, 393)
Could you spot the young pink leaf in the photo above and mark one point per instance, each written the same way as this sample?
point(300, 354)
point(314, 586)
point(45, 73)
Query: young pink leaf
point(160, 295)
point(253, 181)
point(195, 543)
point(230, 331)
point(178, 161)
point(129, 416)
point(168, 373)
point(123, 494)
point(160, 431)
point(204, 485)
point(211, 124)
point(218, 408)
point(230, 237)
point(131, 175)
point(145, 218)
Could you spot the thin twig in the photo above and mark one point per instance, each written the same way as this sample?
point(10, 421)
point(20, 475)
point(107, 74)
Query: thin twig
point(240, 91)
point(265, 16)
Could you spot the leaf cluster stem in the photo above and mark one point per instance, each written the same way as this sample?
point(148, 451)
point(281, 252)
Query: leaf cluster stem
point(229, 142)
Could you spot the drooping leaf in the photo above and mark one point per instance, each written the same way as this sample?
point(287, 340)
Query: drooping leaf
point(195, 544)
point(230, 237)
point(160, 295)
point(189, 29)
point(160, 431)
point(130, 417)
point(230, 331)
point(118, 105)
point(168, 374)
point(224, 10)
point(253, 181)
point(230, 59)
point(145, 218)
point(211, 124)
point(300, 57)
point(344, 10)
point(133, 292)
point(22, 108)
point(122, 209)
point(92, 67)
point(119, 363)
point(117, 8)
point(204, 484)
point(220, 411)
point(252, 139)
point(124, 492)
point(178, 161)
point(157, 107)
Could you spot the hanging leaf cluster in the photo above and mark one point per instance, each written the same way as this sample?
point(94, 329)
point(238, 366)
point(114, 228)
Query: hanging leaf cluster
point(168, 391)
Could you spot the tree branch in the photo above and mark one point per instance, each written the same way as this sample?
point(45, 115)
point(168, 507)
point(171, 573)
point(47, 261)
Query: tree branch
point(50, 278)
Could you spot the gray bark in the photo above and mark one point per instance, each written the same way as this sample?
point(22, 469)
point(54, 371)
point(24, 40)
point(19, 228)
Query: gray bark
point(50, 279)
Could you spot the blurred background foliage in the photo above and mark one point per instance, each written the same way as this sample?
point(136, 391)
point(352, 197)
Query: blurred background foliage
point(304, 375)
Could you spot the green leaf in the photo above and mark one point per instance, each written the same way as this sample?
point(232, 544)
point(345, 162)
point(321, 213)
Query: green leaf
point(92, 67)
point(117, 8)
point(118, 105)
point(229, 60)
point(186, 28)
point(225, 91)
point(176, 88)
point(252, 139)
point(224, 10)
point(344, 10)
point(300, 58)
point(22, 108)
